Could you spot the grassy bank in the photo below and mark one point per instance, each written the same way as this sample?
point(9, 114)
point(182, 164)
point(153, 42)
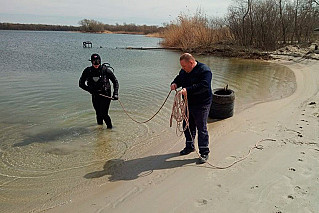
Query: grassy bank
point(197, 34)
point(250, 29)
point(193, 33)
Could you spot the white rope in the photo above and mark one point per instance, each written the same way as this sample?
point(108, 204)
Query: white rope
point(180, 113)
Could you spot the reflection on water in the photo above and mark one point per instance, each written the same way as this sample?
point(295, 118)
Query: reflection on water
point(50, 146)
point(253, 81)
point(50, 135)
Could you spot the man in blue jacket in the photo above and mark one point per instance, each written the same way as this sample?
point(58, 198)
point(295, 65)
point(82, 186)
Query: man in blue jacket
point(195, 79)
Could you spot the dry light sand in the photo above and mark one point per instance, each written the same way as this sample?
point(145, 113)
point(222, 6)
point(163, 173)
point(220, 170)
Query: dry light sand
point(281, 176)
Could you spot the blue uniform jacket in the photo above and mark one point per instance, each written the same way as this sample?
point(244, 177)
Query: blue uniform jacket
point(197, 84)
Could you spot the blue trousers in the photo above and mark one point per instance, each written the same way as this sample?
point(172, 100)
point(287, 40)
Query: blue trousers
point(198, 116)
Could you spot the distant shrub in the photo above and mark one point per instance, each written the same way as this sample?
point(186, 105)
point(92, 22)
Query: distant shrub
point(90, 25)
point(192, 33)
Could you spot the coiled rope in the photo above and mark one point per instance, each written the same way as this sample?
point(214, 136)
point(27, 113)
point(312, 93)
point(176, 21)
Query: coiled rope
point(180, 113)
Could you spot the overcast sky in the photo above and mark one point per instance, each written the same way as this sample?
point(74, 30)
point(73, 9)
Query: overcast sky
point(70, 12)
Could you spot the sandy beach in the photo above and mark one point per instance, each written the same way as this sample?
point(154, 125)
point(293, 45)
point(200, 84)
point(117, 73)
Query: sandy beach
point(281, 175)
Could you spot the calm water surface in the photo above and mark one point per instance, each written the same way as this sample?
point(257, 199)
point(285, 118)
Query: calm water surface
point(49, 141)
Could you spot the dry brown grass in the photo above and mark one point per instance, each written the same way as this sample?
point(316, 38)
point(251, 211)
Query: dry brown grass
point(157, 35)
point(193, 33)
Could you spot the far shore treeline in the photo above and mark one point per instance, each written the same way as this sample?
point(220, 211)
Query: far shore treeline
point(36, 27)
point(86, 25)
point(250, 27)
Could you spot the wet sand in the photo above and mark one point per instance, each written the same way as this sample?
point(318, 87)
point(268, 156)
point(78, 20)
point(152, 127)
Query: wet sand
point(280, 176)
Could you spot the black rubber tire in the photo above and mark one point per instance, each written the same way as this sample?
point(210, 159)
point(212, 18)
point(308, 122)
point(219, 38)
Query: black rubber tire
point(222, 104)
point(222, 96)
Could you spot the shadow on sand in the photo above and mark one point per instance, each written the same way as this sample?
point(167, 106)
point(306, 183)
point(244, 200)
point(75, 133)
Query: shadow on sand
point(119, 169)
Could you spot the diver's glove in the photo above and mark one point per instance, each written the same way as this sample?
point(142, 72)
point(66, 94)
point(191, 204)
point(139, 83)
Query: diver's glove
point(115, 97)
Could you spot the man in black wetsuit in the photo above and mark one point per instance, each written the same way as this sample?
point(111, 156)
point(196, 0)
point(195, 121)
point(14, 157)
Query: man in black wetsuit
point(95, 80)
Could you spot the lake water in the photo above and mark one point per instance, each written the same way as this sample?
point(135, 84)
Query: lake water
point(49, 140)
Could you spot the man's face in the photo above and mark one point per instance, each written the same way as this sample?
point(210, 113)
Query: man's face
point(96, 63)
point(96, 66)
point(187, 65)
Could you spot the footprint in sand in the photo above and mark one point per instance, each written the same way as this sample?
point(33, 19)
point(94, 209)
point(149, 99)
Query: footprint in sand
point(201, 202)
point(291, 197)
point(301, 191)
point(253, 187)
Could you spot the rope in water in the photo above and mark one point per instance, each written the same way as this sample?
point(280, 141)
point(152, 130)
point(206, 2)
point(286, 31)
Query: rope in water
point(180, 113)
point(140, 122)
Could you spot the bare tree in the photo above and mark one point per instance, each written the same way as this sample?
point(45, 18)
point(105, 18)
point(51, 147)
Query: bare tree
point(243, 22)
point(266, 24)
point(283, 20)
point(90, 25)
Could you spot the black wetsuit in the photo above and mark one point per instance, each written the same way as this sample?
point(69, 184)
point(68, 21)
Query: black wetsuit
point(96, 81)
